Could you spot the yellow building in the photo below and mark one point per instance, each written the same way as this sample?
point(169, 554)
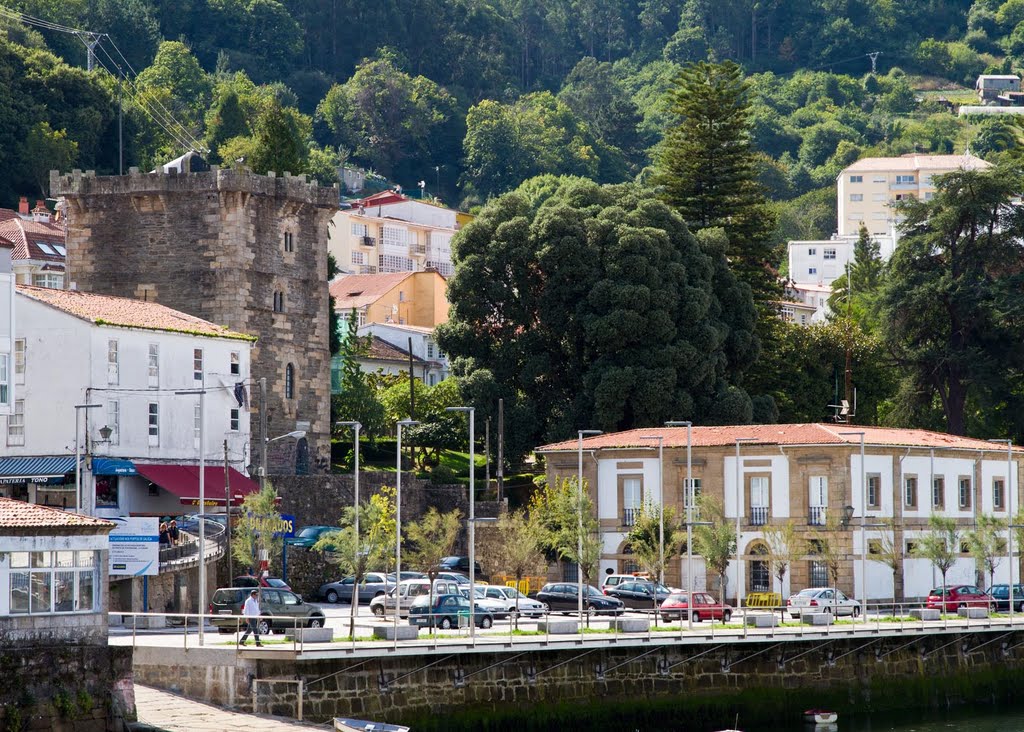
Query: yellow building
point(401, 298)
point(868, 189)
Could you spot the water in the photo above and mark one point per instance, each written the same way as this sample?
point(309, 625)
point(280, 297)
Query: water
point(964, 719)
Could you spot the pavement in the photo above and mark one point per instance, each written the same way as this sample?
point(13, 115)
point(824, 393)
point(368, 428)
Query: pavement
point(168, 712)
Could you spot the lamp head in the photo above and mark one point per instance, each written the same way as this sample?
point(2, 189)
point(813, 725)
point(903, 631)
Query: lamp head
point(847, 515)
point(106, 432)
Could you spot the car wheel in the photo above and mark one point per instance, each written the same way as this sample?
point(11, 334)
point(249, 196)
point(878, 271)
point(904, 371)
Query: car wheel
point(696, 617)
point(316, 622)
point(856, 612)
point(332, 597)
point(726, 617)
point(446, 623)
point(264, 627)
point(378, 610)
point(591, 608)
point(486, 622)
point(961, 605)
point(225, 630)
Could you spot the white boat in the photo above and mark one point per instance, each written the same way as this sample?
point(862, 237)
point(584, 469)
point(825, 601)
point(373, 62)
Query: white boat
point(820, 716)
point(343, 724)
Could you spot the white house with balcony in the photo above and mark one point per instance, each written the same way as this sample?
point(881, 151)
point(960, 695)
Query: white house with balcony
point(430, 364)
point(115, 380)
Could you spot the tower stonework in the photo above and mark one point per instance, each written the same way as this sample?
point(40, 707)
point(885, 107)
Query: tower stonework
point(243, 250)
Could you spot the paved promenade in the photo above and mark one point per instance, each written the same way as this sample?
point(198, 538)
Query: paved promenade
point(174, 713)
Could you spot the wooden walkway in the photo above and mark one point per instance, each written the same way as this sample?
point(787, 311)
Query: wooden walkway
point(165, 711)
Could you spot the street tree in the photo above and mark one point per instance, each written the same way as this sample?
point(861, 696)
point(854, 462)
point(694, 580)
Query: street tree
point(645, 541)
point(889, 551)
point(784, 548)
point(254, 530)
point(716, 540)
point(987, 544)
point(557, 509)
point(430, 539)
point(940, 545)
point(512, 547)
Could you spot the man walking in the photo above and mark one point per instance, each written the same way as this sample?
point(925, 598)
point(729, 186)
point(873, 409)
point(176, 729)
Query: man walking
point(251, 612)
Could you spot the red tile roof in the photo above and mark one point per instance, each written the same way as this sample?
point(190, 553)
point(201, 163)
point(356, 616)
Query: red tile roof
point(28, 233)
point(127, 313)
point(6, 243)
point(20, 515)
point(776, 434)
point(360, 290)
point(381, 350)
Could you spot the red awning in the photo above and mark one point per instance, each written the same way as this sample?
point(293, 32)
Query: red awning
point(183, 481)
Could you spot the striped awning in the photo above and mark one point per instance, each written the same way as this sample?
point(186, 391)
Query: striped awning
point(36, 467)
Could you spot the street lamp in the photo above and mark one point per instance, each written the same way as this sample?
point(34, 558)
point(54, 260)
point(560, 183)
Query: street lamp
point(398, 521)
point(689, 513)
point(354, 600)
point(739, 495)
point(579, 536)
point(201, 393)
point(471, 412)
point(863, 521)
point(78, 458)
point(1009, 513)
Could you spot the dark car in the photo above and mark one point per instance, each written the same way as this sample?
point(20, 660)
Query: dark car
point(951, 598)
point(680, 605)
point(248, 580)
point(308, 536)
point(1000, 597)
point(226, 605)
point(461, 565)
point(372, 585)
point(642, 594)
point(448, 611)
point(564, 597)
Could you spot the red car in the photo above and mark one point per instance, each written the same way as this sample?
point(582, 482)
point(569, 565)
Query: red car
point(950, 598)
point(678, 605)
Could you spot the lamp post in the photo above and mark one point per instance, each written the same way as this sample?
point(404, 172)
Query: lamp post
point(689, 512)
point(398, 520)
point(863, 521)
point(471, 412)
point(579, 527)
point(1009, 515)
point(739, 495)
point(78, 457)
point(354, 600)
point(202, 503)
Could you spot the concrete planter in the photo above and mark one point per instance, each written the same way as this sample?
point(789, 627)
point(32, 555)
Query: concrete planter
point(558, 627)
point(399, 632)
point(761, 620)
point(816, 618)
point(972, 613)
point(629, 625)
point(310, 635)
point(923, 613)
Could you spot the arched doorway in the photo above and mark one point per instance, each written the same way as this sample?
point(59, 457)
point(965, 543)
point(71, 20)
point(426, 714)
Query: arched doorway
point(759, 576)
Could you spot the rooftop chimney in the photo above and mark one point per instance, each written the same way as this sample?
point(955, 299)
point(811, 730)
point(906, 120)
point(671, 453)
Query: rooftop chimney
point(23, 206)
point(41, 213)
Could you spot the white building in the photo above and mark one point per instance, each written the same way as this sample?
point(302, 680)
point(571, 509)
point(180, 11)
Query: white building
point(142, 440)
point(39, 244)
point(6, 327)
point(430, 364)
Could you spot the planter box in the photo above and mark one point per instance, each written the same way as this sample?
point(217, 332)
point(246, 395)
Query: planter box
point(310, 635)
point(558, 627)
point(921, 613)
point(388, 632)
point(972, 613)
point(629, 625)
point(761, 620)
point(816, 618)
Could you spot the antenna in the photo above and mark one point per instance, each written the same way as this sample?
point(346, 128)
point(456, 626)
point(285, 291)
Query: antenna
point(874, 58)
point(844, 411)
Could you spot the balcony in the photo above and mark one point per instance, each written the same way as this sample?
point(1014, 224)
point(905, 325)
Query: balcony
point(368, 241)
point(629, 516)
point(816, 515)
point(758, 515)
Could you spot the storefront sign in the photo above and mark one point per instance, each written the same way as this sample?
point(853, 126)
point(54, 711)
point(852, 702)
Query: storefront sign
point(135, 546)
point(37, 480)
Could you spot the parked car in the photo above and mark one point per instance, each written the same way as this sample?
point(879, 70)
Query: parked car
point(226, 606)
point(680, 605)
point(614, 580)
point(308, 536)
point(494, 607)
point(372, 585)
point(563, 597)
point(407, 591)
point(515, 601)
point(248, 580)
point(456, 577)
point(822, 600)
point(999, 597)
point(461, 565)
point(642, 594)
point(952, 597)
point(446, 612)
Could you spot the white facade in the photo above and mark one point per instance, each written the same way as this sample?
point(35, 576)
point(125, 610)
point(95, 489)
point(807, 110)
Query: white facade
point(424, 347)
point(132, 374)
point(7, 386)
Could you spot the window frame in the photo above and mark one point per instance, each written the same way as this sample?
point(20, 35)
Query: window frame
point(965, 498)
point(20, 359)
point(289, 381)
point(235, 363)
point(5, 379)
point(198, 358)
point(153, 366)
point(910, 495)
point(938, 491)
point(113, 362)
point(999, 493)
point(16, 424)
point(234, 419)
point(873, 490)
point(154, 424)
point(114, 420)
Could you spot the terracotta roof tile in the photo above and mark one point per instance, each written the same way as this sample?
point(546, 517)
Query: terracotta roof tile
point(20, 515)
point(776, 434)
point(359, 290)
point(127, 313)
point(918, 162)
point(27, 234)
point(381, 350)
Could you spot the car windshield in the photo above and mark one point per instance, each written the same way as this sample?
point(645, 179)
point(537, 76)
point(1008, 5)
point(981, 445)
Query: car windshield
point(309, 532)
point(939, 591)
point(678, 597)
point(809, 593)
point(591, 590)
point(513, 593)
point(421, 601)
point(275, 582)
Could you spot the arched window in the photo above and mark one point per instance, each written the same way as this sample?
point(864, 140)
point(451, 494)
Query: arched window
point(278, 302)
point(289, 382)
point(760, 576)
point(629, 564)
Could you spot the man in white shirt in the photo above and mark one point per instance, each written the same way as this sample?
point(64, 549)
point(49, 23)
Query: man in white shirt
point(251, 613)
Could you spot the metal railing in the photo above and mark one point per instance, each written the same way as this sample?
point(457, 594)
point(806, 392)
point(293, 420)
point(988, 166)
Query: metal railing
point(758, 515)
point(188, 544)
point(630, 515)
point(816, 515)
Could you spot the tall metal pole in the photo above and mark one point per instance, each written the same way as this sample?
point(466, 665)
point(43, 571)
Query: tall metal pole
point(354, 600)
point(501, 448)
point(120, 126)
point(689, 493)
point(739, 495)
point(579, 527)
point(472, 525)
point(487, 453)
point(661, 511)
point(227, 511)
point(398, 522)
point(263, 433)
point(863, 521)
point(1009, 516)
point(202, 512)
point(81, 505)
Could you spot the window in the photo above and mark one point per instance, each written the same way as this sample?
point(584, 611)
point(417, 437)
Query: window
point(812, 270)
point(5, 379)
point(856, 197)
point(965, 548)
point(929, 195)
point(359, 230)
point(900, 179)
point(829, 253)
point(910, 491)
point(358, 258)
point(154, 365)
point(964, 485)
point(394, 263)
point(632, 499)
point(197, 425)
point(760, 574)
point(817, 505)
point(288, 242)
point(758, 501)
point(233, 420)
point(16, 424)
point(113, 363)
point(998, 493)
point(874, 490)
point(910, 548)
point(696, 493)
point(818, 574)
point(812, 252)
point(874, 546)
point(154, 424)
point(938, 492)
point(394, 239)
point(52, 582)
point(19, 361)
point(278, 301)
point(236, 363)
point(114, 420)
point(430, 348)
point(48, 279)
point(878, 179)
point(878, 197)
point(289, 382)
point(361, 317)
point(856, 178)
point(197, 364)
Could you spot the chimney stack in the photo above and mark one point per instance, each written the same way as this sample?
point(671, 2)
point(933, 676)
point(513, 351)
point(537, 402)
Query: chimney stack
point(41, 213)
point(23, 206)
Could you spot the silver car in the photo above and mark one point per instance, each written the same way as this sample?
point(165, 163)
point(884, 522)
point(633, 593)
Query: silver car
point(515, 601)
point(407, 592)
point(822, 600)
point(372, 585)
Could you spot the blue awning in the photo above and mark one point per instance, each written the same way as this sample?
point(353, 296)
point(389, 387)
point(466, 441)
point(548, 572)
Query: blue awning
point(29, 468)
point(112, 466)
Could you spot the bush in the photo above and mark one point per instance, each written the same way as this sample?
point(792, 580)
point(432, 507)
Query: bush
point(442, 475)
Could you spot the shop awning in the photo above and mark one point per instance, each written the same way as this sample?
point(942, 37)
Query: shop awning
point(112, 466)
point(183, 481)
point(35, 469)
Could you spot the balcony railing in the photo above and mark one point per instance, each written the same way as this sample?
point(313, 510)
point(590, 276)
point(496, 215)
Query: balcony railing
point(369, 241)
point(758, 515)
point(629, 516)
point(816, 516)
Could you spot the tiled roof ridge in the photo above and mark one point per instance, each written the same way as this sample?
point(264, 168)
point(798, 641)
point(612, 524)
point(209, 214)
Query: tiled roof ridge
point(19, 514)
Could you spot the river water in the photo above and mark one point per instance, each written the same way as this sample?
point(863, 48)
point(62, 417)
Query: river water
point(963, 719)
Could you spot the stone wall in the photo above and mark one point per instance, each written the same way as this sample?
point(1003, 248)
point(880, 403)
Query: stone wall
point(212, 244)
point(79, 688)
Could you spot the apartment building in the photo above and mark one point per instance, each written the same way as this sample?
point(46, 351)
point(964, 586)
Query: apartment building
point(405, 298)
point(811, 475)
point(390, 232)
point(869, 189)
point(40, 253)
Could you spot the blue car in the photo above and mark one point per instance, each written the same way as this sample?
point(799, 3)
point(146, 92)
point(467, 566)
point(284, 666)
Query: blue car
point(448, 611)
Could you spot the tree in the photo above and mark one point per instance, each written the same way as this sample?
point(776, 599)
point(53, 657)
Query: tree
point(557, 509)
point(512, 547)
point(47, 149)
point(645, 541)
point(949, 299)
point(987, 544)
point(707, 168)
point(941, 545)
point(227, 120)
point(356, 399)
point(431, 539)
point(784, 548)
point(715, 541)
point(255, 529)
point(188, 89)
point(890, 553)
point(280, 141)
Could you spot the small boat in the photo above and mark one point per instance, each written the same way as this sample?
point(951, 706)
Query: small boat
point(820, 716)
point(342, 724)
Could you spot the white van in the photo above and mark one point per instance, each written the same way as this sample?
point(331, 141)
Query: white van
point(407, 591)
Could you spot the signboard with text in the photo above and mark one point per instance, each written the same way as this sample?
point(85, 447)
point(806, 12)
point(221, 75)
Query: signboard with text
point(135, 546)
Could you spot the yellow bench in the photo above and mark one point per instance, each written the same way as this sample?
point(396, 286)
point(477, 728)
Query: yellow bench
point(764, 599)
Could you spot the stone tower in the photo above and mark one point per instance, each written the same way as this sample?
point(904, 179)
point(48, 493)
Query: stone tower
point(243, 250)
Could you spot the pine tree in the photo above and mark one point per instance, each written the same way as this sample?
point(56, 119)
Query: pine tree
point(866, 269)
point(706, 167)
